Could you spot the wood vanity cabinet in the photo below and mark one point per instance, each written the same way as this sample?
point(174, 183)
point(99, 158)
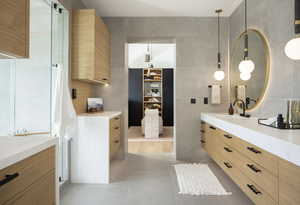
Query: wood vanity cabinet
point(14, 28)
point(114, 136)
point(289, 183)
point(30, 181)
point(265, 178)
point(90, 47)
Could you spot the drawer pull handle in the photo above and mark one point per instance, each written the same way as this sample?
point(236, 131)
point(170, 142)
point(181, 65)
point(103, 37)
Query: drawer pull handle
point(252, 149)
point(213, 128)
point(253, 188)
point(116, 118)
point(253, 168)
point(116, 141)
point(8, 178)
point(116, 128)
point(228, 136)
point(202, 131)
point(227, 165)
point(202, 141)
point(227, 149)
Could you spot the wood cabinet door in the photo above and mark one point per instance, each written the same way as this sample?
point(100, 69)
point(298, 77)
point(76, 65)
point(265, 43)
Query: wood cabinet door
point(41, 192)
point(102, 51)
point(14, 28)
point(289, 183)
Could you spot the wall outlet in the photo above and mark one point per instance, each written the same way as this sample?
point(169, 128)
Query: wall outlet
point(205, 101)
point(74, 93)
point(193, 100)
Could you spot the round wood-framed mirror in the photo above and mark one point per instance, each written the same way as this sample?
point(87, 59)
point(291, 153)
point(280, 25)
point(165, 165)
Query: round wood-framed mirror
point(251, 91)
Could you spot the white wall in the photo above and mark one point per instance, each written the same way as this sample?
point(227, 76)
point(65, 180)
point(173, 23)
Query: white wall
point(6, 97)
point(33, 75)
point(163, 55)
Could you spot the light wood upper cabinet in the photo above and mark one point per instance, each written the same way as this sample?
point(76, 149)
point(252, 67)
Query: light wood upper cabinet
point(14, 28)
point(90, 47)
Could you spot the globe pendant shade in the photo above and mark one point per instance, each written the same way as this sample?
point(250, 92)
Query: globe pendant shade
point(292, 49)
point(219, 75)
point(246, 66)
point(245, 76)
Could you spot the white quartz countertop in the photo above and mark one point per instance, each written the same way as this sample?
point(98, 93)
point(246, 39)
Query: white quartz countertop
point(105, 114)
point(16, 148)
point(282, 143)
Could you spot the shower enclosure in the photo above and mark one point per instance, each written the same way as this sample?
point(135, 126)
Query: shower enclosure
point(28, 86)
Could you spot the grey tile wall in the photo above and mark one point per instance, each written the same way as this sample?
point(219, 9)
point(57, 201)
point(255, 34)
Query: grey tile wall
point(196, 62)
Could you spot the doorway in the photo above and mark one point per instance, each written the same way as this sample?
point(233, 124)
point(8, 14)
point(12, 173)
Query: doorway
point(151, 98)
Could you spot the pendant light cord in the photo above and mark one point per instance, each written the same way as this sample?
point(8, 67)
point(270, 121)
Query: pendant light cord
point(219, 53)
point(246, 52)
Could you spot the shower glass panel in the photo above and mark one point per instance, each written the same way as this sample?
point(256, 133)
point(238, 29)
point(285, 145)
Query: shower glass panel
point(60, 63)
point(7, 80)
point(33, 75)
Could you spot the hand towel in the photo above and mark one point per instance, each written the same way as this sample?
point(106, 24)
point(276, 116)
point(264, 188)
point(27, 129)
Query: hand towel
point(216, 94)
point(241, 92)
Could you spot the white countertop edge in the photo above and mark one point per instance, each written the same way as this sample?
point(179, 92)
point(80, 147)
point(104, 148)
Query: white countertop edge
point(19, 156)
point(283, 149)
point(105, 114)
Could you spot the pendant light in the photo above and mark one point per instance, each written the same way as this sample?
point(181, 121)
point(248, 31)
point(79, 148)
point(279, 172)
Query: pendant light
point(292, 48)
point(148, 55)
point(219, 74)
point(246, 65)
point(148, 58)
point(245, 76)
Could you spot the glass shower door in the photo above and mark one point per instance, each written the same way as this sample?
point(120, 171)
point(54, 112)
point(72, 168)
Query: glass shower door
point(60, 63)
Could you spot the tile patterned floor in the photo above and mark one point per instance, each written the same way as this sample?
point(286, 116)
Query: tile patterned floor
point(147, 180)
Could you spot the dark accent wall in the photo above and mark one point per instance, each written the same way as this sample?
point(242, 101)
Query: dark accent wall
point(135, 101)
point(168, 97)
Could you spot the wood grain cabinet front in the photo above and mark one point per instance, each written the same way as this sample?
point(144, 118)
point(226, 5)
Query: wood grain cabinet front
point(14, 28)
point(259, 184)
point(90, 47)
point(115, 135)
point(265, 178)
point(42, 192)
point(289, 183)
point(16, 179)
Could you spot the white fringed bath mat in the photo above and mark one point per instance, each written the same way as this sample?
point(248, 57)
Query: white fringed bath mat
point(198, 179)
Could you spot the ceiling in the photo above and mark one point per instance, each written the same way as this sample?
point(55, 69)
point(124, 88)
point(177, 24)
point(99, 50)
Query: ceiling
point(160, 8)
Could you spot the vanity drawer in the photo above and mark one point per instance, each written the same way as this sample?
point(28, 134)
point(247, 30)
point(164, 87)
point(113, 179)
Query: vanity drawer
point(114, 147)
point(210, 140)
point(25, 173)
point(115, 126)
point(258, 155)
point(116, 121)
point(203, 134)
point(115, 131)
point(289, 183)
point(262, 177)
point(251, 189)
point(226, 137)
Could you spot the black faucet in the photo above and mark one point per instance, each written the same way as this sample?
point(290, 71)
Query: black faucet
point(243, 107)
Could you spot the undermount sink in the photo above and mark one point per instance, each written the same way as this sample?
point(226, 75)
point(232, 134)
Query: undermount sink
point(235, 116)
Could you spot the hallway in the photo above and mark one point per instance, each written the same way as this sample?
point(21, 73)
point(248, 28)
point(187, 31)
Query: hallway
point(148, 180)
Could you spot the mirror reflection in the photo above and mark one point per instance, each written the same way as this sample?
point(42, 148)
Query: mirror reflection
point(249, 87)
